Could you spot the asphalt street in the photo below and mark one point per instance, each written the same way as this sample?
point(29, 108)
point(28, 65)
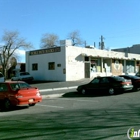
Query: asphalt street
point(73, 117)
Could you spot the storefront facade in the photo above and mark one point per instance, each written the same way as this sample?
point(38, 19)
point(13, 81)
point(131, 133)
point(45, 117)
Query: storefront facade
point(68, 63)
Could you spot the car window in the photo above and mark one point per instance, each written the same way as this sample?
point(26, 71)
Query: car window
point(24, 85)
point(1, 75)
point(117, 78)
point(133, 77)
point(95, 81)
point(24, 73)
point(104, 80)
point(3, 87)
point(14, 86)
point(129, 77)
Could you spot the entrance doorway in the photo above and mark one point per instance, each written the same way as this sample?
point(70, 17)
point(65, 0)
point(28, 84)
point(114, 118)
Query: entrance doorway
point(87, 70)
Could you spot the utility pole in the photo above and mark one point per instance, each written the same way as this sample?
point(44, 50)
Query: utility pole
point(85, 44)
point(94, 45)
point(101, 44)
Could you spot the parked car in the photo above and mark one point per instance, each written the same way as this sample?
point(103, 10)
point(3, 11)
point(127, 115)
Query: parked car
point(137, 74)
point(135, 81)
point(23, 76)
point(109, 84)
point(2, 78)
point(14, 93)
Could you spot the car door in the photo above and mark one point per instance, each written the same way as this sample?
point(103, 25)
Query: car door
point(93, 86)
point(105, 84)
point(3, 90)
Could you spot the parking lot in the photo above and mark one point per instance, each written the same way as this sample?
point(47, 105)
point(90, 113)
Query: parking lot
point(74, 117)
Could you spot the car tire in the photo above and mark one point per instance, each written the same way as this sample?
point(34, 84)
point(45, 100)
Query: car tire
point(135, 89)
point(7, 104)
point(111, 91)
point(32, 104)
point(83, 91)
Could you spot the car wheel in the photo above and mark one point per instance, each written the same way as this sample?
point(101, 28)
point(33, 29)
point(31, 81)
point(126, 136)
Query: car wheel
point(135, 89)
point(32, 104)
point(83, 91)
point(7, 104)
point(111, 91)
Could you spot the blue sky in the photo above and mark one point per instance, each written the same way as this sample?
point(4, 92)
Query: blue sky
point(117, 20)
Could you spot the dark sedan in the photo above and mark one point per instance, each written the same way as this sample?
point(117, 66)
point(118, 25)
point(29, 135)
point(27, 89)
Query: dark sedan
point(137, 74)
point(109, 84)
point(135, 81)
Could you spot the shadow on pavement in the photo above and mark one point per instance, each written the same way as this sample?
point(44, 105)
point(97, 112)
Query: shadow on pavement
point(13, 108)
point(76, 94)
point(77, 124)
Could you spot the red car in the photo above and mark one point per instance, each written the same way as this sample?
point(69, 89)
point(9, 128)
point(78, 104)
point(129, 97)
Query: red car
point(16, 93)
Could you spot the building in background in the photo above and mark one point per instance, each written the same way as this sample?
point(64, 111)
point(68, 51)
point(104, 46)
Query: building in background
point(134, 49)
point(68, 63)
point(20, 67)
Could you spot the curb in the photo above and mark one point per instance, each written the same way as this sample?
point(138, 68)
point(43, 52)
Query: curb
point(52, 96)
point(53, 89)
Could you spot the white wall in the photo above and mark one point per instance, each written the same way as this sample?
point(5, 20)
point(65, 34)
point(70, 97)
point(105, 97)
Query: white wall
point(71, 58)
point(43, 73)
point(74, 63)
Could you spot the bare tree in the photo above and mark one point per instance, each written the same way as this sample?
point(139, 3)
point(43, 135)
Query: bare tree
point(75, 37)
point(49, 40)
point(13, 62)
point(11, 42)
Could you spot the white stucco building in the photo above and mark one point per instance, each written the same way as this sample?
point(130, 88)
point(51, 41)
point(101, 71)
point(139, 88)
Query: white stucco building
point(67, 63)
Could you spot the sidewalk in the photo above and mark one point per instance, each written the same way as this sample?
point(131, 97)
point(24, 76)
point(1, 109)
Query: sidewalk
point(51, 86)
point(54, 86)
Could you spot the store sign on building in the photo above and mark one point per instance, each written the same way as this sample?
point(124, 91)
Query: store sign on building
point(45, 51)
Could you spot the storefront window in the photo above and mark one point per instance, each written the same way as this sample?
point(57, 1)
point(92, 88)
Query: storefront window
point(130, 66)
point(106, 65)
point(95, 65)
point(86, 58)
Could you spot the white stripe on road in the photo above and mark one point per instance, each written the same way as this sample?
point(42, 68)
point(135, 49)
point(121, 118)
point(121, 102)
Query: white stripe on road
point(50, 106)
point(52, 95)
point(53, 89)
point(63, 88)
point(72, 87)
point(79, 100)
point(44, 90)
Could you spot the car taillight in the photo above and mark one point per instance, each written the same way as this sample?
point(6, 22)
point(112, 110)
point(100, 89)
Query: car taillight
point(126, 83)
point(38, 93)
point(123, 83)
point(137, 81)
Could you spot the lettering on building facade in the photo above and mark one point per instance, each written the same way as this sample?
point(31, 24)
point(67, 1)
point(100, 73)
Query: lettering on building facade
point(44, 51)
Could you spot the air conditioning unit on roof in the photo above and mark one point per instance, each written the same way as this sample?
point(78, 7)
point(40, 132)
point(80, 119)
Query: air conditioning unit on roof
point(91, 47)
point(64, 43)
